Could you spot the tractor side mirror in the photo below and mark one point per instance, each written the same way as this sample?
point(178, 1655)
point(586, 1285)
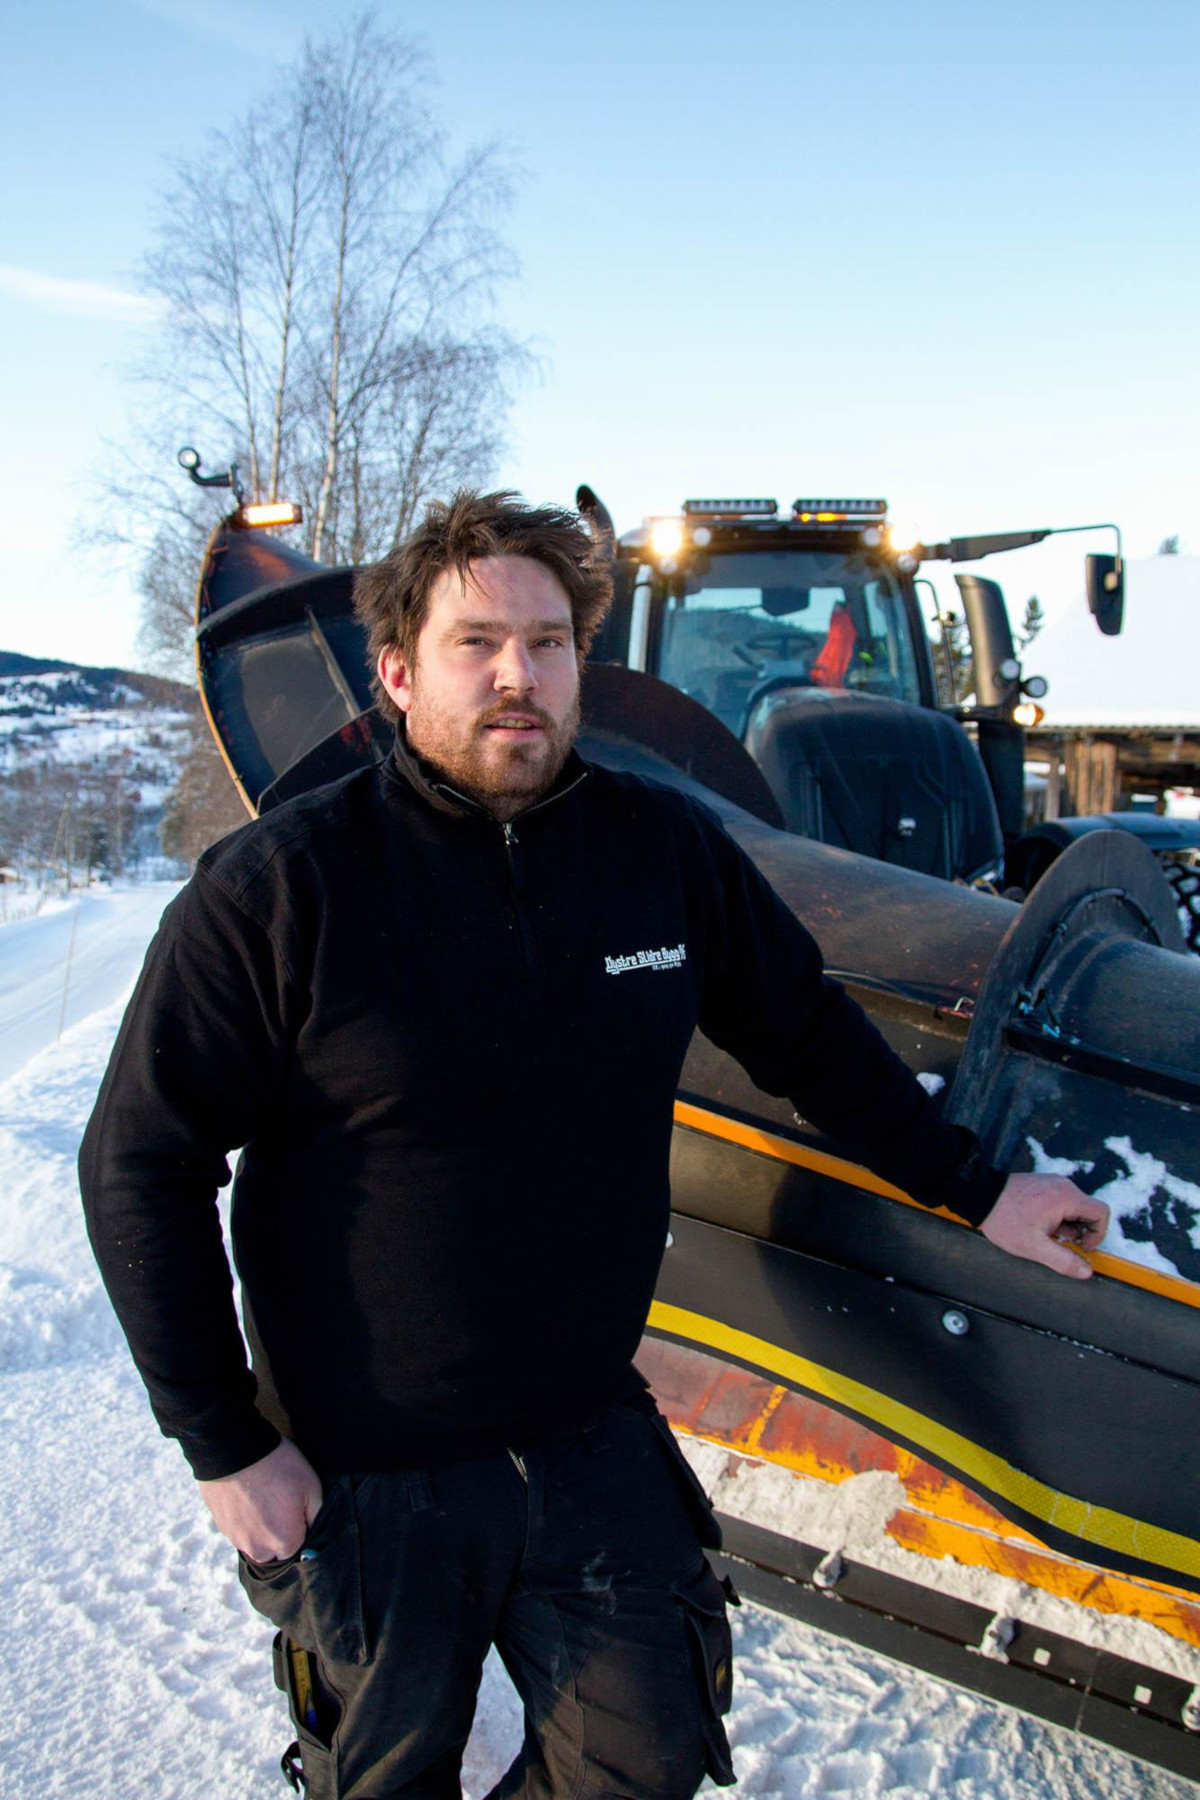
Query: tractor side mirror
point(1106, 592)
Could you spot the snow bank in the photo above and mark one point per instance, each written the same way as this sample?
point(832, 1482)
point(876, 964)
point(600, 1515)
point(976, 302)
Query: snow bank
point(1147, 675)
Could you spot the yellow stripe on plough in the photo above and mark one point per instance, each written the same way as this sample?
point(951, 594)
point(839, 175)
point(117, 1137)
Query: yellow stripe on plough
point(838, 1168)
point(1091, 1524)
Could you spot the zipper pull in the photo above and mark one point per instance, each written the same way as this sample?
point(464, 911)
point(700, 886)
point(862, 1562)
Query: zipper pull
point(510, 836)
point(519, 1465)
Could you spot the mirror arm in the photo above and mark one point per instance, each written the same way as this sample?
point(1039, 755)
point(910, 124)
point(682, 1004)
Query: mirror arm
point(1065, 530)
point(190, 461)
point(973, 549)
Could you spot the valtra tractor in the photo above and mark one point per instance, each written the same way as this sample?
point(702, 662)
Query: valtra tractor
point(914, 1440)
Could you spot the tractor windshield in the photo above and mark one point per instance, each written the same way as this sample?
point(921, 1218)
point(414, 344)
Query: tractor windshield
point(738, 624)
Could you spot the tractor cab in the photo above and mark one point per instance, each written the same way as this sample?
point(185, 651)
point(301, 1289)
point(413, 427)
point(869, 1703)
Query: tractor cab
point(801, 633)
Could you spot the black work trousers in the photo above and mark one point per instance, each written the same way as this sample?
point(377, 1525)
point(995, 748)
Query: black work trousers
point(580, 1558)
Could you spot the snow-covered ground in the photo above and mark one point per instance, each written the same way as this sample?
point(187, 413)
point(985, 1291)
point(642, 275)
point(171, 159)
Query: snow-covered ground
point(75, 957)
point(133, 1668)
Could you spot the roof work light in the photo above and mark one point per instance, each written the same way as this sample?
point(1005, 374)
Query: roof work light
point(666, 537)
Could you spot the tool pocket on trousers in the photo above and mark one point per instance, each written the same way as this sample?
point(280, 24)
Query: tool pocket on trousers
point(315, 1597)
point(701, 1602)
point(307, 1764)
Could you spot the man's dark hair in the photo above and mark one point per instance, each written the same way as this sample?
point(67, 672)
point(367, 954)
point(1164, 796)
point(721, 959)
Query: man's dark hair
point(391, 598)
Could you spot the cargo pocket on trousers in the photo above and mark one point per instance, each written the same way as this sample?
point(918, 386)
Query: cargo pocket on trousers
point(315, 1597)
point(701, 1601)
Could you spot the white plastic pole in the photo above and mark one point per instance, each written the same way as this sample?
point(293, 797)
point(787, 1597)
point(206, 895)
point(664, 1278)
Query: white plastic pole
point(62, 1013)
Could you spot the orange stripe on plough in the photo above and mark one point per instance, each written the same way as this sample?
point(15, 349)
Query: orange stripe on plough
point(838, 1168)
point(746, 1413)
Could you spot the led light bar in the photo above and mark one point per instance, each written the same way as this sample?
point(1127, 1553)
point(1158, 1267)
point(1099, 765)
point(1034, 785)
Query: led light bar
point(717, 509)
point(281, 512)
point(829, 512)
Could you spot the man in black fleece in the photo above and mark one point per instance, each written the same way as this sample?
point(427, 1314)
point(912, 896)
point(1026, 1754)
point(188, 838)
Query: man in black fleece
point(442, 1008)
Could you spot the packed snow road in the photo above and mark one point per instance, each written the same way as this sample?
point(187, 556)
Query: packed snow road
point(68, 962)
point(133, 1668)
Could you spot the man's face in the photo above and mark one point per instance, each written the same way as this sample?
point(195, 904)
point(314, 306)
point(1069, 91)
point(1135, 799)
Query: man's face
point(492, 699)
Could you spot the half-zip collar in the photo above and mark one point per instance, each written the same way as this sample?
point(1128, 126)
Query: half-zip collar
point(404, 765)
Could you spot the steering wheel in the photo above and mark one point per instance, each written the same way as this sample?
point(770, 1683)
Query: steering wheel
point(767, 645)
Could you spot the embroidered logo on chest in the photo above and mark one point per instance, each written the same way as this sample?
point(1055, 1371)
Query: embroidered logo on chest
point(673, 957)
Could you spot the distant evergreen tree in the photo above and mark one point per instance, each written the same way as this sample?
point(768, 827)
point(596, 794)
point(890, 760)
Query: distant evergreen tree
point(99, 850)
point(1169, 546)
point(1031, 624)
point(955, 668)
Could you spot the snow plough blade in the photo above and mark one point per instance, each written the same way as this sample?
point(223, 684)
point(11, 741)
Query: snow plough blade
point(854, 1375)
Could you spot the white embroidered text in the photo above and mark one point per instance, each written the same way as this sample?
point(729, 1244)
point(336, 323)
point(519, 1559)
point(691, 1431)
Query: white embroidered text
point(647, 959)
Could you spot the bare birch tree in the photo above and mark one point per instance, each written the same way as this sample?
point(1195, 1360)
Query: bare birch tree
point(327, 276)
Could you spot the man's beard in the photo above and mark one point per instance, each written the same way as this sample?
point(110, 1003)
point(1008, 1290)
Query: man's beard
point(504, 776)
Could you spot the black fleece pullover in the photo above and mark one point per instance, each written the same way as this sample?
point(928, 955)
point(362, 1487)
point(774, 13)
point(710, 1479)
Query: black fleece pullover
point(449, 1048)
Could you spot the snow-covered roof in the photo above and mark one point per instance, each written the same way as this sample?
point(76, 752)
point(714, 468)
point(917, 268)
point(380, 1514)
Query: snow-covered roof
point(1149, 675)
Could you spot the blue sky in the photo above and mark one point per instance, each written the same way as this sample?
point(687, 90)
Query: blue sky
point(940, 253)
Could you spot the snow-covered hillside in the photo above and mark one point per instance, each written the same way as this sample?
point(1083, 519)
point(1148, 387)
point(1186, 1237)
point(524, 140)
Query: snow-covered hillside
point(87, 759)
point(133, 1667)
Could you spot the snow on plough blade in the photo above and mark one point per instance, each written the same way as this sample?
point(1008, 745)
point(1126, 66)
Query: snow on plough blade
point(965, 1427)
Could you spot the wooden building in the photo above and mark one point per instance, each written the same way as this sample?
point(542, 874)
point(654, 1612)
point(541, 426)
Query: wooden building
point(1103, 768)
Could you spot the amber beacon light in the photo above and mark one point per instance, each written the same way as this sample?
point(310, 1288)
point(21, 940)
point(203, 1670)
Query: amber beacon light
point(274, 512)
